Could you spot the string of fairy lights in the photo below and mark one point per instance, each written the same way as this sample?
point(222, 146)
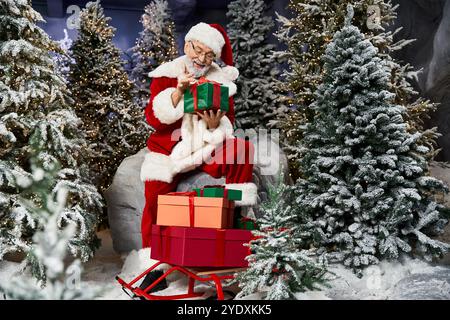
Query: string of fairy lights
point(29, 74)
point(160, 50)
point(155, 46)
point(106, 120)
point(102, 93)
point(312, 31)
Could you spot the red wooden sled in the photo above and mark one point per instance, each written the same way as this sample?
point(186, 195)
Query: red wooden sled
point(203, 275)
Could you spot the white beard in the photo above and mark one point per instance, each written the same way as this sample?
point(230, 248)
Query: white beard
point(197, 73)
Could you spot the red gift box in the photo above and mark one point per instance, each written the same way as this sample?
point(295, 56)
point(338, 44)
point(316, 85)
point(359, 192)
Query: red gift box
point(200, 247)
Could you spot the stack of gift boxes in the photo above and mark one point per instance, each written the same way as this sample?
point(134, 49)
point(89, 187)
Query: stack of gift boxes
point(196, 229)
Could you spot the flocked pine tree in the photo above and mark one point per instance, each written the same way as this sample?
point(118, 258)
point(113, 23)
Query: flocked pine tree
point(34, 104)
point(258, 102)
point(156, 45)
point(280, 265)
point(365, 181)
point(114, 125)
point(64, 60)
point(306, 34)
point(56, 282)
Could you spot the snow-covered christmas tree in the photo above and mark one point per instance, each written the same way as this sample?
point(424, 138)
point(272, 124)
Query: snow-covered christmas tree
point(366, 184)
point(34, 105)
point(50, 247)
point(280, 265)
point(64, 60)
point(156, 45)
point(306, 34)
point(258, 101)
point(114, 125)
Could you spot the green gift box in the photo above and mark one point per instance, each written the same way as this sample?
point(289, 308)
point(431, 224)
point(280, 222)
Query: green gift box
point(219, 192)
point(209, 96)
point(245, 224)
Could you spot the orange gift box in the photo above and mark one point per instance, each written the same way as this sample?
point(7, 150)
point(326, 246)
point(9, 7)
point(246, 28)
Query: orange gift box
point(185, 209)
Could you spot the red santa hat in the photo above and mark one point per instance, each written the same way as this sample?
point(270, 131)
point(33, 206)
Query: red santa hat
point(215, 37)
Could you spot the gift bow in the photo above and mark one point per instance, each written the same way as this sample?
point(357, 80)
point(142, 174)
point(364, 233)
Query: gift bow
point(216, 92)
point(202, 80)
point(191, 195)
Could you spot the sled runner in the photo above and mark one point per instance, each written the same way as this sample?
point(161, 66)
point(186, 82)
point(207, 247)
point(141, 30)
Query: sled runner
point(194, 274)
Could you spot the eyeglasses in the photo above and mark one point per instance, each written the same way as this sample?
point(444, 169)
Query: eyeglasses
point(199, 52)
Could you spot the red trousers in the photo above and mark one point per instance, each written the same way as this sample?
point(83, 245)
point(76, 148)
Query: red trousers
point(235, 166)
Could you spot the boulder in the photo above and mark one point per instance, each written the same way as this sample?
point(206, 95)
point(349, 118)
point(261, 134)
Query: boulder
point(125, 197)
point(125, 203)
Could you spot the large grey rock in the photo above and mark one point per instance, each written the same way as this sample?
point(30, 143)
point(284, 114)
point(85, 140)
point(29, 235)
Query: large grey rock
point(197, 179)
point(441, 171)
point(125, 202)
point(125, 197)
point(424, 286)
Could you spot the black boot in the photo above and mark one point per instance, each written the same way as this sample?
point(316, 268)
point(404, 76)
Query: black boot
point(237, 216)
point(152, 277)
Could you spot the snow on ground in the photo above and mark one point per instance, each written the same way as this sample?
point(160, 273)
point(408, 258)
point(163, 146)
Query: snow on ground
point(385, 281)
point(101, 271)
point(7, 270)
point(378, 282)
point(136, 263)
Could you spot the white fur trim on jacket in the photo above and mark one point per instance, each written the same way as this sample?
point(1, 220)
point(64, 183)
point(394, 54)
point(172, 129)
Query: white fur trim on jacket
point(197, 142)
point(175, 68)
point(207, 35)
point(163, 107)
point(249, 193)
point(157, 166)
point(195, 148)
point(223, 131)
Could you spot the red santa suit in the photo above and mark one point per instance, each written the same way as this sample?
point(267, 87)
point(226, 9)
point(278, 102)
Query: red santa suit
point(183, 142)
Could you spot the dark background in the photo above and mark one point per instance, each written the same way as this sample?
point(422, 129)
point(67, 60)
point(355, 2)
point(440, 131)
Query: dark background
point(126, 14)
point(427, 21)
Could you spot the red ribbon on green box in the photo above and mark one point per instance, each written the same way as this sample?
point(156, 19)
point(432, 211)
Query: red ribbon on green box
point(212, 94)
point(211, 191)
point(247, 224)
point(225, 190)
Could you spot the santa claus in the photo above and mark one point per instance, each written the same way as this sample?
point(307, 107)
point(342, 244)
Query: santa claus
point(182, 142)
